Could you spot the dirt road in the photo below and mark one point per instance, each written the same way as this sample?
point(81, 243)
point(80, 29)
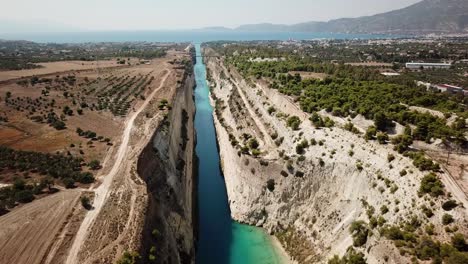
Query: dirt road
point(102, 192)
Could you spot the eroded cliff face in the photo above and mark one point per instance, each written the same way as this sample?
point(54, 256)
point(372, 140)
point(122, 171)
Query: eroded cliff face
point(309, 198)
point(167, 165)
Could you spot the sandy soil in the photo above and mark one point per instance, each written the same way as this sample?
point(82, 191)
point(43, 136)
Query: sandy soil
point(54, 67)
point(33, 227)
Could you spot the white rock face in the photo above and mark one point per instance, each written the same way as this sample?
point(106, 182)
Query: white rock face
point(312, 206)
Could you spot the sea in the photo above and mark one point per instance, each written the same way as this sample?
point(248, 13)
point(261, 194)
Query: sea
point(195, 36)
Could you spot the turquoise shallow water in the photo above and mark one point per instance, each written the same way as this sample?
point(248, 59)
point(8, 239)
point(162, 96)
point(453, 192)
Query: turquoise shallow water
point(221, 240)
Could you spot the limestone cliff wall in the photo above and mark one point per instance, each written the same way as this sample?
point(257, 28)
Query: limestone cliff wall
point(167, 165)
point(316, 195)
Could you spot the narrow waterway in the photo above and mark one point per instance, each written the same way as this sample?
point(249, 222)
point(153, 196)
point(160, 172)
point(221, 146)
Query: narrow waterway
point(221, 240)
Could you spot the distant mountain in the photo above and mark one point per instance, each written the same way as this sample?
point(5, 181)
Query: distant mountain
point(427, 16)
point(216, 29)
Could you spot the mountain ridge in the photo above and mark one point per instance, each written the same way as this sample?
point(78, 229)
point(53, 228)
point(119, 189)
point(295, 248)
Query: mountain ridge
point(427, 16)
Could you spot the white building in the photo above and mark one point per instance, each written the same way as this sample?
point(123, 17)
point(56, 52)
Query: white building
point(424, 65)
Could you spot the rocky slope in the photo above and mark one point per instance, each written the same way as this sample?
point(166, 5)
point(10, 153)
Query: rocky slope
point(310, 200)
point(167, 165)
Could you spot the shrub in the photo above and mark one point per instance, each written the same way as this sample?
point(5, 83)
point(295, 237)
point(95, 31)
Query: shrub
point(351, 257)
point(371, 132)
point(359, 231)
point(447, 219)
point(431, 184)
point(459, 242)
point(457, 258)
point(449, 205)
point(350, 127)
point(24, 196)
point(299, 174)
point(321, 162)
point(129, 258)
point(253, 143)
point(359, 166)
point(94, 165)
point(85, 178)
point(424, 164)
point(403, 173)
point(427, 211)
point(427, 249)
point(85, 202)
point(271, 110)
point(390, 157)
point(382, 137)
point(271, 185)
point(301, 146)
point(69, 183)
point(384, 209)
point(294, 122)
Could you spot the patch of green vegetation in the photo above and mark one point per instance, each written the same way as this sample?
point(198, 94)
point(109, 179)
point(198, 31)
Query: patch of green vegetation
point(431, 184)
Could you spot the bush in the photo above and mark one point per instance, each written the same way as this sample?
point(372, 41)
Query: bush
point(457, 258)
point(427, 211)
point(129, 258)
point(85, 202)
point(253, 143)
point(301, 146)
point(294, 122)
point(424, 164)
point(24, 196)
point(351, 257)
point(85, 178)
point(359, 231)
point(371, 132)
point(427, 249)
point(449, 205)
point(459, 242)
point(431, 184)
point(69, 183)
point(382, 137)
point(384, 209)
point(94, 165)
point(447, 219)
point(271, 185)
point(359, 166)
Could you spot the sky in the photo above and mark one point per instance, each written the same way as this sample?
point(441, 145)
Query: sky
point(183, 14)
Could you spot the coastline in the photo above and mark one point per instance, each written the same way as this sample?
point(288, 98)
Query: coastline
point(280, 251)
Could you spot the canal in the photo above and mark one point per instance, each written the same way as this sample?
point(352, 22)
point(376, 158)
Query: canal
point(221, 240)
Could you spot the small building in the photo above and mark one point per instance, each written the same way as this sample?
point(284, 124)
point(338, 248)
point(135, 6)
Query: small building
point(447, 88)
point(425, 65)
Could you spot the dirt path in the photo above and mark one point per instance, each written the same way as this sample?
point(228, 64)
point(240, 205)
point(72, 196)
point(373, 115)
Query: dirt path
point(269, 143)
point(102, 192)
point(454, 188)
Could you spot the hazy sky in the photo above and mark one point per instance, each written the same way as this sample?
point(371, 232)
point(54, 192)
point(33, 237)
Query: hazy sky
point(184, 14)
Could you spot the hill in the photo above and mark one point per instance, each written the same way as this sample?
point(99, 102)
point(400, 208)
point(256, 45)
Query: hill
point(428, 16)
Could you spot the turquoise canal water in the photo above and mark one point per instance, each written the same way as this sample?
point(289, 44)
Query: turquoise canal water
point(221, 240)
